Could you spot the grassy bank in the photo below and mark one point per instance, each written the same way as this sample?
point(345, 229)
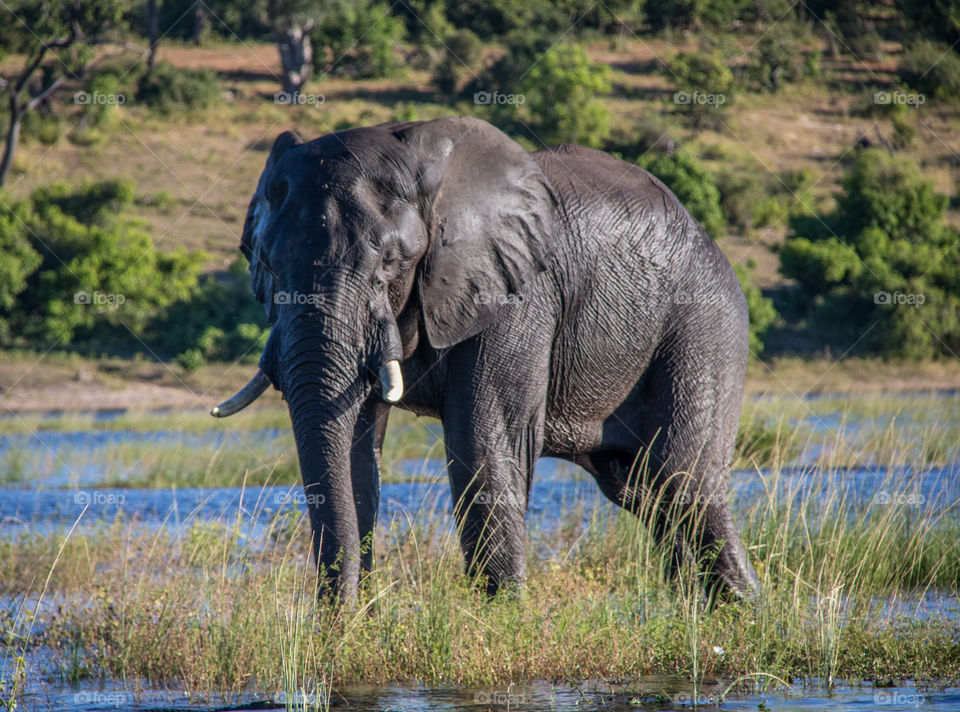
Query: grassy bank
point(217, 612)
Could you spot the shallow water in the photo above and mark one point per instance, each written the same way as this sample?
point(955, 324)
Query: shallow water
point(649, 694)
point(55, 492)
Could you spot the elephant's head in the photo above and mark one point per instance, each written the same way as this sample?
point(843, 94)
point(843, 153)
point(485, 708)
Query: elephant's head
point(361, 243)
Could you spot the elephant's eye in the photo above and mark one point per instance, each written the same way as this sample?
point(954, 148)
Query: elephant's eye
point(390, 257)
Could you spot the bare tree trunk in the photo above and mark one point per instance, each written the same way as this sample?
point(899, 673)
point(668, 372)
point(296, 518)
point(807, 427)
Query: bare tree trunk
point(296, 57)
point(199, 23)
point(13, 135)
point(153, 33)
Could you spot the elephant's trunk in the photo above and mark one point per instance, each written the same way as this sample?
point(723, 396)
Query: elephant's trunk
point(324, 391)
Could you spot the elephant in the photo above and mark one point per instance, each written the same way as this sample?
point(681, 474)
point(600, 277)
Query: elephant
point(557, 303)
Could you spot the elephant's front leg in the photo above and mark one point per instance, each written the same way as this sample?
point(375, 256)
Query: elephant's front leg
point(493, 426)
point(365, 473)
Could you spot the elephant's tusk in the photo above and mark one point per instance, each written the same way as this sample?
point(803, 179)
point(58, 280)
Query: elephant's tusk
point(245, 396)
point(391, 381)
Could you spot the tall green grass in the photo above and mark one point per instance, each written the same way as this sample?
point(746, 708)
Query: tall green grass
point(224, 614)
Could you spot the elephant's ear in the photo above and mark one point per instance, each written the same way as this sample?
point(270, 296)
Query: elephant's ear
point(490, 216)
point(252, 241)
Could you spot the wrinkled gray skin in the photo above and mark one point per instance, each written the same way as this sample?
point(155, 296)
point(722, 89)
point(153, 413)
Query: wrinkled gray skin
point(561, 303)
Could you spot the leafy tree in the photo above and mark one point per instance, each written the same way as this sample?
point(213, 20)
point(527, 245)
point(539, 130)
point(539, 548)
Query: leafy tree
point(693, 185)
point(171, 89)
point(361, 39)
point(198, 329)
point(704, 84)
point(462, 52)
point(932, 69)
point(19, 261)
point(98, 276)
point(61, 30)
point(885, 267)
point(551, 98)
point(778, 58)
point(760, 308)
point(936, 19)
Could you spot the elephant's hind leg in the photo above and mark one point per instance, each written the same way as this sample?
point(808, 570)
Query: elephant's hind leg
point(677, 478)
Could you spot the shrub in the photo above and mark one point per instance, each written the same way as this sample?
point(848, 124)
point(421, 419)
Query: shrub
point(778, 58)
point(361, 40)
point(939, 19)
point(761, 310)
point(693, 185)
point(932, 69)
point(197, 328)
point(462, 52)
point(551, 98)
point(99, 279)
point(170, 89)
point(704, 84)
point(887, 279)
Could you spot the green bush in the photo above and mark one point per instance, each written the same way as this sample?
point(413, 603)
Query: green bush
point(198, 329)
point(359, 39)
point(761, 310)
point(881, 272)
point(170, 89)
point(551, 98)
point(931, 68)
point(461, 54)
point(778, 58)
point(98, 280)
point(939, 19)
point(693, 185)
point(704, 85)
